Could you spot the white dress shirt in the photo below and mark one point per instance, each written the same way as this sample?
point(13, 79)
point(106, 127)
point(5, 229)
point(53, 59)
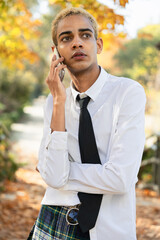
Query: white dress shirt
point(117, 108)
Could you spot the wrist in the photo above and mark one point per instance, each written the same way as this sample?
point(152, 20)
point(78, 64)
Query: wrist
point(59, 101)
point(58, 116)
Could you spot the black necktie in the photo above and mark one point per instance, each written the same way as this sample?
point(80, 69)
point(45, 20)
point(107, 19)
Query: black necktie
point(90, 203)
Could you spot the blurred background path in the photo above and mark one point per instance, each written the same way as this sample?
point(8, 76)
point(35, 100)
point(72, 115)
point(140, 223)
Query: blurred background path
point(27, 133)
point(20, 203)
point(22, 198)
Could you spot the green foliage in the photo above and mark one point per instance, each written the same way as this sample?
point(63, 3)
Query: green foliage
point(8, 166)
point(150, 32)
point(146, 172)
point(16, 89)
point(139, 58)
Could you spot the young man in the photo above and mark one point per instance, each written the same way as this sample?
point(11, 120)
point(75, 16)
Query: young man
point(91, 183)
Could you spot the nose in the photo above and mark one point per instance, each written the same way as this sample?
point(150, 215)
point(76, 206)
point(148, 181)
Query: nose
point(77, 42)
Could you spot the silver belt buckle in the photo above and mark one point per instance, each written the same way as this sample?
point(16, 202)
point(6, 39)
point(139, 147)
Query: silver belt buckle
point(71, 215)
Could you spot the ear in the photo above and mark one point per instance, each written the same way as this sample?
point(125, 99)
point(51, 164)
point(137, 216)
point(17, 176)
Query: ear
point(99, 45)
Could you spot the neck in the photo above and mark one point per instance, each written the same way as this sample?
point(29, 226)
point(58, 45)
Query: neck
point(83, 80)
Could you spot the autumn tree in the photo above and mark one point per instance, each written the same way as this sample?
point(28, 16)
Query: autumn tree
point(17, 28)
point(18, 32)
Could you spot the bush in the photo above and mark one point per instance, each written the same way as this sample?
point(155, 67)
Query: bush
point(16, 89)
point(7, 165)
point(147, 172)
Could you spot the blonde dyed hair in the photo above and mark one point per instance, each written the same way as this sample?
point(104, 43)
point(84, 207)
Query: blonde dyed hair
point(70, 12)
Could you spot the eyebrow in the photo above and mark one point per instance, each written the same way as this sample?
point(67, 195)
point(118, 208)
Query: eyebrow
point(79, 30)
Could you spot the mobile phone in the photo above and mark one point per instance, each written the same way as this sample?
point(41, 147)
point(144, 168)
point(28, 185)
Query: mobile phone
point(62, 72)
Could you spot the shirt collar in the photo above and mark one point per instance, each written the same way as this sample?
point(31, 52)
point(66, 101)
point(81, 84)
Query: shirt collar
point(95, 89)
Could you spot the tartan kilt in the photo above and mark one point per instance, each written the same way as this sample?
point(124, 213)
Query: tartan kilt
point(51, 224)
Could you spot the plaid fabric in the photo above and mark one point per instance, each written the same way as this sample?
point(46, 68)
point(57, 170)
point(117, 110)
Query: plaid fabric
point(51, 225)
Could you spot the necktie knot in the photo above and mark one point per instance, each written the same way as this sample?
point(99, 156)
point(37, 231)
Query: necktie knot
point(83, 102)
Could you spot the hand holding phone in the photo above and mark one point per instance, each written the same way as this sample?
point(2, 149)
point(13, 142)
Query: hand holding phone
point(62, 72)
point(54, 79)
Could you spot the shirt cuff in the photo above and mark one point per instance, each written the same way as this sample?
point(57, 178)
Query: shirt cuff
point(57, 140)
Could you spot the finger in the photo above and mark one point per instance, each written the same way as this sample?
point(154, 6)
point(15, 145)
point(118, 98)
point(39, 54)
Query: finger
point(53, 58)
point(55, 62)
point(52, 64)
point(47, 79)
point(59, 68)
point(55, 75)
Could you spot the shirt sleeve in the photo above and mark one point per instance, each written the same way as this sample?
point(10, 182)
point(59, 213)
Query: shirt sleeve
point(53, 163)
point(119, 173)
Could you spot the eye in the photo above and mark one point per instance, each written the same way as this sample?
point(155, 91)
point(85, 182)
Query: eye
point(86, 35)
point(66, 38)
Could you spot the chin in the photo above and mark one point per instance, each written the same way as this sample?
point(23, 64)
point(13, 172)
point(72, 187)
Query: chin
point(81, 68)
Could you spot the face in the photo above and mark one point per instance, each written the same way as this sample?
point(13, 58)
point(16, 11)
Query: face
point(77, 43)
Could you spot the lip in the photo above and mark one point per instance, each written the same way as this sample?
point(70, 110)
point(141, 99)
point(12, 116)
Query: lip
point(78, 55)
